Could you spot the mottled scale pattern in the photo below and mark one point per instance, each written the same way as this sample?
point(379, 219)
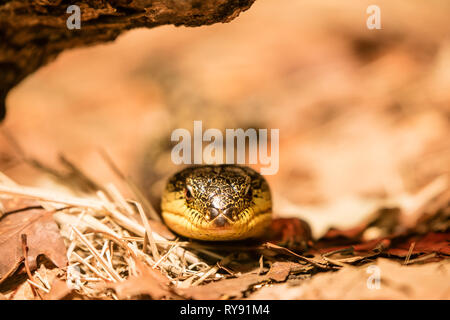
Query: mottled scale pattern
point(217, 202)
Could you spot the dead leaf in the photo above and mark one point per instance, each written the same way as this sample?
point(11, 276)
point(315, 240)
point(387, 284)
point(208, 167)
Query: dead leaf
point(350, 255)
point(149, 281)
point(280, 270)
point(434, 215)
point(226, 288)
point(422, 239)
point(22, 291)
point(59, 290)
point(430, 281)
point(383, 222)
point(275, 249)
point(430, 243)
point(43, 237)
point(292, 233)
point(236, 287)
point(20, 288)
point(347, 234)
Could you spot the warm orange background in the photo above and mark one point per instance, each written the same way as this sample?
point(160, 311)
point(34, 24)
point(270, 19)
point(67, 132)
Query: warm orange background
point(363, 115)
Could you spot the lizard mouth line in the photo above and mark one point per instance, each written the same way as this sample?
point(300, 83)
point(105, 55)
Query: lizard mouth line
point(192, 198)
point(221, 222)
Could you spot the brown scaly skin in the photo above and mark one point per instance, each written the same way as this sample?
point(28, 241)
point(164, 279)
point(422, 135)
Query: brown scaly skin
point(227, 202)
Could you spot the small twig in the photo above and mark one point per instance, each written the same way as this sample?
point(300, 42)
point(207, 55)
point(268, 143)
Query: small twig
point(148, 231)
point(44, 281)
point(210, 272)
point(110, 271)
point(38, 286)
point(213, 270)
point(192, 266)
point(269, 245)
point(117, 240)
point(333, 261)
point(80, 217)
point(145, 244)
point(408, 256)
point(325, 256)
point(138, 229)
point(165, 256)
point(27, 266)
point(33, 193)
point(422, 258)
point(261, 264)
point(91, 267)
point(221, 266)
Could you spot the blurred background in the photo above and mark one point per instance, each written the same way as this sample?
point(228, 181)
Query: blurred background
point(363, 114)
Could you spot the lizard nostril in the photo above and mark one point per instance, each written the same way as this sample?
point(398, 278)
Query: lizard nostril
point(213, 213)
point(229, 213)
point(220, 221)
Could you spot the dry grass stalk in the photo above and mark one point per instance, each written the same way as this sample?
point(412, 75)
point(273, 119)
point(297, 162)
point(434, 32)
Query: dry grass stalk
point(131, 185)
point(119, 199)
point(148, 232)
point(104, 239)
point(34, 193)
point(109, 270)
point(38, 286)
point(92, 268)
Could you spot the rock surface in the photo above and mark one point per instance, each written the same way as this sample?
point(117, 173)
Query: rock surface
point(32, 33)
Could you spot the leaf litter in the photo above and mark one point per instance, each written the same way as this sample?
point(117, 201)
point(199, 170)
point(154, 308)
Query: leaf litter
point(106, 248)
point(42, 234)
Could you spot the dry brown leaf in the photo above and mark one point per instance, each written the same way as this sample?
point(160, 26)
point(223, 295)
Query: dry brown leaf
point(382, 222)
point(59, 290)
point(235, 287)
point(271, 248)
point(430, 281)
point(429, 236)
point(43, 237)
point(227, 288)
point(430, 243)
point(20, 288)
point(23, 291)
point(292, 233)
point(434, 215)
point(280, 270)
point(149, 281)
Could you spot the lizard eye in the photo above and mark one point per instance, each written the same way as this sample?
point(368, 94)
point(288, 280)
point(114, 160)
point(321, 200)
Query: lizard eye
point(188, 192)
point(248, 190)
